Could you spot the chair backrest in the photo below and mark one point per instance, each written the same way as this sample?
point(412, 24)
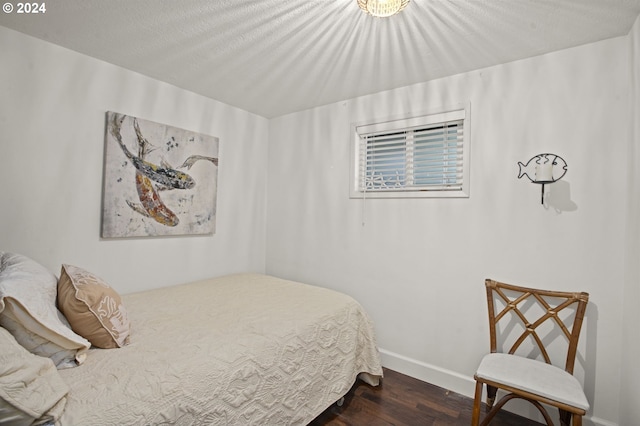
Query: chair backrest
point(515, 302)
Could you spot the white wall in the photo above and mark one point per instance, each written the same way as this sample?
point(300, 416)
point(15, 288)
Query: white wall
point(418, 266)
point(52, 120)
point(630, 383)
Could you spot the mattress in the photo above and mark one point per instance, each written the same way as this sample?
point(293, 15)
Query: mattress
point(244, 349)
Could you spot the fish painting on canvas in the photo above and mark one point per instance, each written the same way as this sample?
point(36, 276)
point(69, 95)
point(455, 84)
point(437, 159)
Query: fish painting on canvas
point(144, 193)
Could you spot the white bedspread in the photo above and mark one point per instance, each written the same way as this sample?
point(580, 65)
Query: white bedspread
point(238, 350)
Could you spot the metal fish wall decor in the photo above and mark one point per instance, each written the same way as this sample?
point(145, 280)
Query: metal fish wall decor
point(543, 169)
point(536, 164)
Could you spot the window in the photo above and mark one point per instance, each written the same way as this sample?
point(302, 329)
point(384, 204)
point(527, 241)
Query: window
point(424, 156)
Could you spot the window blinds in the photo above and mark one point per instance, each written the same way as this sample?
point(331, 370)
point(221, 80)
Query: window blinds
point(419, 154)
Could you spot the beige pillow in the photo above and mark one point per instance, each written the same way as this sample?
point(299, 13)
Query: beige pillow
point(28, 311)
point(31, 389)
point(94, 310)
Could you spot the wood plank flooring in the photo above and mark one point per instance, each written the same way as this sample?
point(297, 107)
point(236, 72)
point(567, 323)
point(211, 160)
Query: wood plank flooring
point(404, 401)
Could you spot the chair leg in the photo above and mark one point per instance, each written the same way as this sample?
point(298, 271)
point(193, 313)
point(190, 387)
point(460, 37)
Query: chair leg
point(491, 396)
point(577, 420)
point(477, 399)
point(567, 419)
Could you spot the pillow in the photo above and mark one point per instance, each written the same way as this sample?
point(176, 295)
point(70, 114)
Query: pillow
point(61, 357)
point(94, 310)
point(31, 389)
point(28, 310)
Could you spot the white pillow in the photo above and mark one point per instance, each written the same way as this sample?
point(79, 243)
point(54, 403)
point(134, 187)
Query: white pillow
point(31, 389)
point(28, 310)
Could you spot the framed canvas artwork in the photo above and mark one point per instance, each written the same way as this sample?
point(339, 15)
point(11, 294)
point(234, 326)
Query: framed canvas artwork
point(159, 180)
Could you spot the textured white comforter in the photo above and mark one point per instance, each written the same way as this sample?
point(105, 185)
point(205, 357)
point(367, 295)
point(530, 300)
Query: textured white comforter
point(238, 350)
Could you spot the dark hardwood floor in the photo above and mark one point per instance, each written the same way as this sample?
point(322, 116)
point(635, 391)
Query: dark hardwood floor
point(402, 400)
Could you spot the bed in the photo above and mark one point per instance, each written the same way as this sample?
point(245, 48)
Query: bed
point(247, 349)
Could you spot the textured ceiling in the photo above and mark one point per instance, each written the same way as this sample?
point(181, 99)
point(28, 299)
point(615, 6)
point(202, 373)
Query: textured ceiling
point(273, 57)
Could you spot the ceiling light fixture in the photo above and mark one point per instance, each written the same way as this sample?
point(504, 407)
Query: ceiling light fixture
point(382, 8)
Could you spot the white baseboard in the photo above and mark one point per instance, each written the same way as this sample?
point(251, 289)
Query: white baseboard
point(438, 376)
point(459, 383)
point(597, 421)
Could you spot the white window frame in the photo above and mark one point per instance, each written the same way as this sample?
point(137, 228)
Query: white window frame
point(358, 130)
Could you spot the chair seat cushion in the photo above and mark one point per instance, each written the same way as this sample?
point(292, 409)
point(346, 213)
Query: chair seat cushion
point(533, 376)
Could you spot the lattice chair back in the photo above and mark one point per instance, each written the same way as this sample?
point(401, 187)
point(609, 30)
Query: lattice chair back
point(544, 317)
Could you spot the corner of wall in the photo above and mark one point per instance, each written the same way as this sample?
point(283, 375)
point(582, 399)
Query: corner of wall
point(630, 378)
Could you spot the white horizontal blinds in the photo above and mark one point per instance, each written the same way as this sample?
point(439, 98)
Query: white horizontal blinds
point(384, 161)
point(437, 155)
point(425, 156)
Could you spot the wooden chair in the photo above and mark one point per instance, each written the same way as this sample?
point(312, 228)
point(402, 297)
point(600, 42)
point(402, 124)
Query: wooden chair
point(557, 315)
